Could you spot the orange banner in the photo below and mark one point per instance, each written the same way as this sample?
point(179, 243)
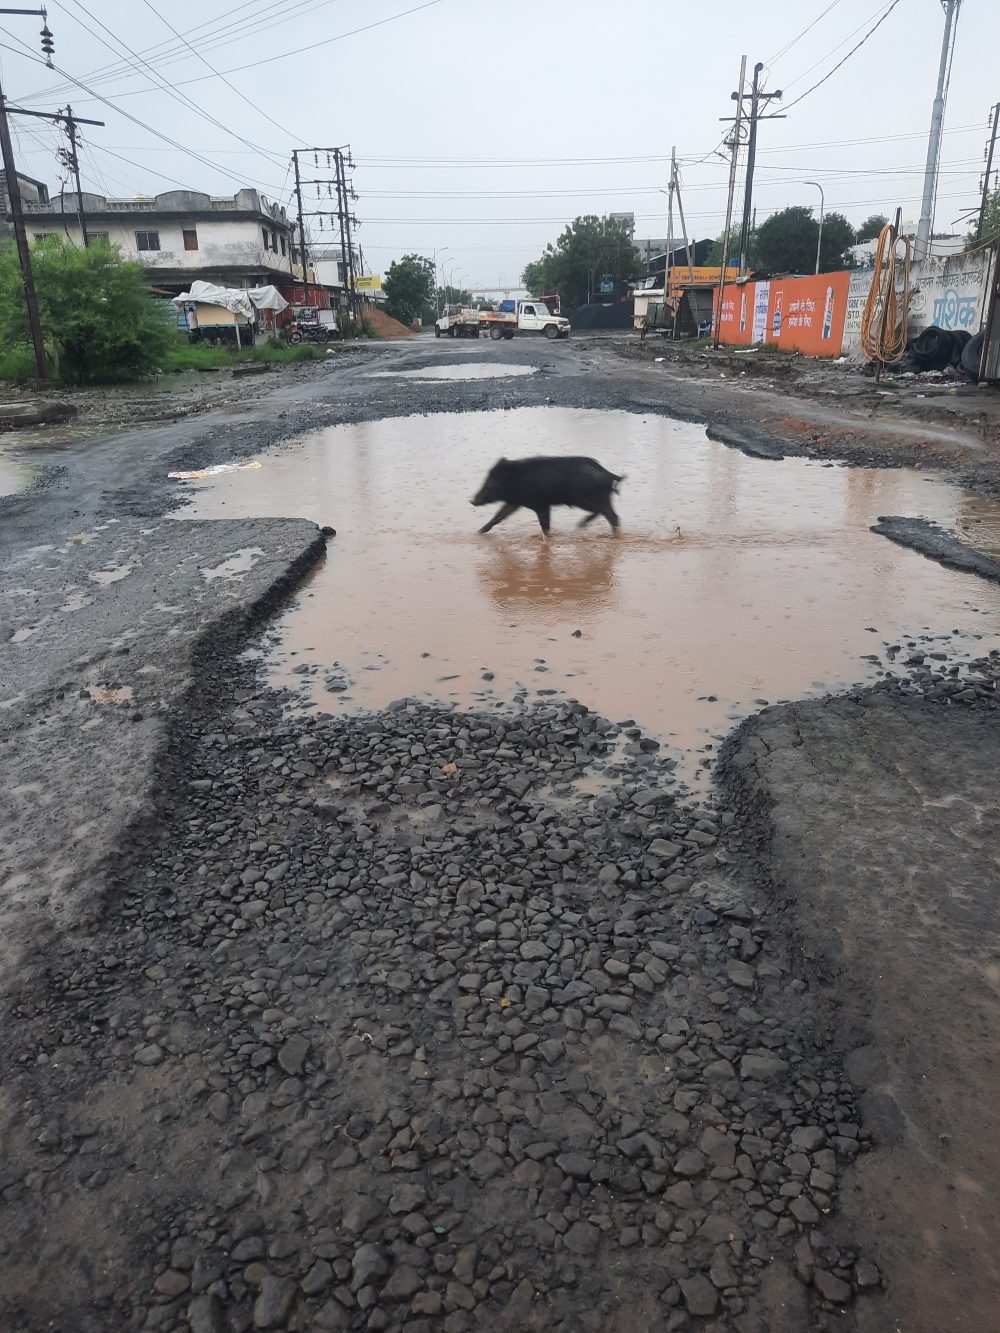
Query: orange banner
point(737, 313)
point(802, 314)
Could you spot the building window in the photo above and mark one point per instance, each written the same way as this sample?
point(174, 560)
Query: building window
point(99, 237)
point(282, 240)
point(267, 238)
point(147, 240)
point(190, 239)
point(274, 241)
point(43, 235)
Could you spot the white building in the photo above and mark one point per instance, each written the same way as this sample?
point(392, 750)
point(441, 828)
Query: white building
point(243, 241)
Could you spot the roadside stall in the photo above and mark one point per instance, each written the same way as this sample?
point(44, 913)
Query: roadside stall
point(232, 315)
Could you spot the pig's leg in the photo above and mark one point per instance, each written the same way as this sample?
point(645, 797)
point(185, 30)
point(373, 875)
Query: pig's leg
point(584, 521)
point(503, 512)
point(543, 513)
point(609, 514)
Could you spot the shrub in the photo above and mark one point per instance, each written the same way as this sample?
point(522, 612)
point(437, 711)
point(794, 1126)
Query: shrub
point(98, 319)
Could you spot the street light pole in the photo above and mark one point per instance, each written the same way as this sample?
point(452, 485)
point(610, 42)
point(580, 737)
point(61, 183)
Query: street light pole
point(923, 243)
point(437, 290)
point(822, 204)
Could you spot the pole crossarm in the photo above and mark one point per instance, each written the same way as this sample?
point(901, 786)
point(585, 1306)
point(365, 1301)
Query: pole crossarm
point(50, 115)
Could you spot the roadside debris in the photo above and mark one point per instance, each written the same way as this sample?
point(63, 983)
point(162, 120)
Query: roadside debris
point(213, 471)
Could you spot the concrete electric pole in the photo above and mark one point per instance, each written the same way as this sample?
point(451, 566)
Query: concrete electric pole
point(923, 245)
point(734, 145)
point(16, 210)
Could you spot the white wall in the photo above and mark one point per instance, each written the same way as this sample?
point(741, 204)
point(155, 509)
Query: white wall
point(221, 243)
point(949, 292)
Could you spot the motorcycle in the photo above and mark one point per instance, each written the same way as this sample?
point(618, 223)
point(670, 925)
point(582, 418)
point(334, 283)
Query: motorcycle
point(310, 333)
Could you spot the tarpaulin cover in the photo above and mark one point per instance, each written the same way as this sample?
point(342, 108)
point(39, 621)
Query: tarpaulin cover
point(239, 300)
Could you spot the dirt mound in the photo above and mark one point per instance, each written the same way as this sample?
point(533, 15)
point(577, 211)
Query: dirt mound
point(385, 326)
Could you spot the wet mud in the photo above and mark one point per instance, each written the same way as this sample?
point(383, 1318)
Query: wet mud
point(735, 583)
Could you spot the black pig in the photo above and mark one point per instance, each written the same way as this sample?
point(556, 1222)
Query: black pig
point(540, 483)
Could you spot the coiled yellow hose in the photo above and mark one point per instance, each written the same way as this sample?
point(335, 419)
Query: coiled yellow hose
point(883, 332)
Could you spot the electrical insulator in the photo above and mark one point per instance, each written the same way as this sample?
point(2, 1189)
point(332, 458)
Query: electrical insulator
point(328, 159)
point(48, 45)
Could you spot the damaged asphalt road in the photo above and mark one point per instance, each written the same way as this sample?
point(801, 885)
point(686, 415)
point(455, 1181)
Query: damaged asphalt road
point(321, 1023)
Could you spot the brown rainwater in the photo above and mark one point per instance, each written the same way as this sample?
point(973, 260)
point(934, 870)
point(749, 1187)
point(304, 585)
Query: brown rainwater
point(736, 581)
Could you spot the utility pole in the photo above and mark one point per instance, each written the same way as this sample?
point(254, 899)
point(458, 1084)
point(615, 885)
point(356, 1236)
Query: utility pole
point(735, 144)
point(756, 97)
point(342, 186)
point(986, 178)
point(923, 245)
point(343, 242)
point(675, 188)
point(16, 208)
point(71, 158)
point(75, 164)
point(302, 229)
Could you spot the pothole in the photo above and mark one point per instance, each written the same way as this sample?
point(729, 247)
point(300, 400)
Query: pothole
point(736, 582)
point(464, 371)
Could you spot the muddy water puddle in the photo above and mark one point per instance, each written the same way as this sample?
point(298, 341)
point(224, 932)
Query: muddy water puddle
point(463, 371)
point(736, 582)
point(17, 476)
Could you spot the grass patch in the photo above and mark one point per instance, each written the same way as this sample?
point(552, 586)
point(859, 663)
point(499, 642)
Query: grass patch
point(184, 355)
point(17, 365)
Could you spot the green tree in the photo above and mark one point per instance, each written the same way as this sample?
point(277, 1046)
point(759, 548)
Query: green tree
point(590, 251)
point(786, 242)
point(453, 296)
point(871, 228)
point(714, 257)
point(99, 321)
point(409, 289)
point(991, 223)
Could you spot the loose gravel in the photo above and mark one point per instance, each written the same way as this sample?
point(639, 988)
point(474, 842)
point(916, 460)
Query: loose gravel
point(393, 1027)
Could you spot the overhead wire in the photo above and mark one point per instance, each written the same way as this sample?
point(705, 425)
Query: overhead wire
point(785, 49)
point(181, 98)
point(166, 52)
point(194, 51)
point(299, 50)
point(190, 152)
point(788, 106)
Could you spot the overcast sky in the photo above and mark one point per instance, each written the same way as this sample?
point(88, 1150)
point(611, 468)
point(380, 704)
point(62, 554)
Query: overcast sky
point(480, 127)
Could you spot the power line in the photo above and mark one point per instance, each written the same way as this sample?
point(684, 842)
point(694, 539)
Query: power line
point(181, 98)
point(563, 221)
point(772, 59)
point(190, 152)
point(205, 62)
point(845, 59)
point(169, 52)
point(299, 50)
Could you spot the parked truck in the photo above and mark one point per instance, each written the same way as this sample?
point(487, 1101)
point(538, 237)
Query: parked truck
point(526, 316)
point(457, 322)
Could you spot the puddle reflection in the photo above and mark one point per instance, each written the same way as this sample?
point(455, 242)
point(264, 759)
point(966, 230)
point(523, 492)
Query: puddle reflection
point(556, 578)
